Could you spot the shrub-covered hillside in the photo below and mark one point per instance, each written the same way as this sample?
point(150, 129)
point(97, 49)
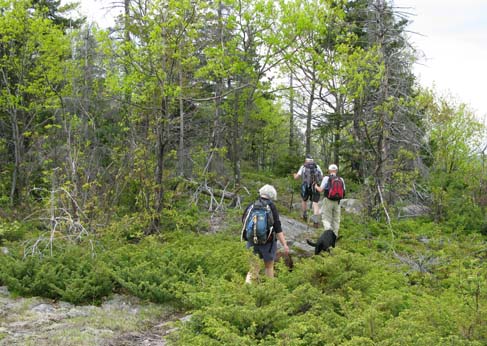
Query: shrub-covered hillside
point(415, 283)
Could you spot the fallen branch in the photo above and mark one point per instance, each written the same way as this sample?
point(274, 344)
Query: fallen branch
point(217, 196)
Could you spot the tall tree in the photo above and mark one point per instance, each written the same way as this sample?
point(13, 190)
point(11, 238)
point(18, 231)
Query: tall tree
point(386, 122)
point(454, 145)
point(32, 52)
point(154, 60)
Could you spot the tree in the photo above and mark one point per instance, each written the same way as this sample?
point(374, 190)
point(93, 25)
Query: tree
point(384, 122)
point(32, 53)
point(304, 56)
point(455, 172)
point(149, 64)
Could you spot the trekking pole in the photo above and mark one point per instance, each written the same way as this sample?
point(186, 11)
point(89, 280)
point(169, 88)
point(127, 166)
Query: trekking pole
point(308, 218)
point(292, 194)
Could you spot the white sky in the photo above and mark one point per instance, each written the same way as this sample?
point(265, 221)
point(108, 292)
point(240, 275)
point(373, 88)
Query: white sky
point(453, 37)
point(452, 34)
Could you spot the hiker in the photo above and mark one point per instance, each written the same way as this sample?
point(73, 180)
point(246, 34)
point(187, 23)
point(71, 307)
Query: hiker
point(334, 188)
point(265, 247)
point(312, 175)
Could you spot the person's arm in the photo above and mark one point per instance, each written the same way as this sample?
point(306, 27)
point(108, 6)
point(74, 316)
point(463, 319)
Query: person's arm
point(297, 175)
point(321, 188)
point(318, 188)
point(283, 242)
point(278, 228)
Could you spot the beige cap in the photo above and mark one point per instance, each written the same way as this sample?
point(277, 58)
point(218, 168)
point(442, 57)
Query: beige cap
point(268, 191)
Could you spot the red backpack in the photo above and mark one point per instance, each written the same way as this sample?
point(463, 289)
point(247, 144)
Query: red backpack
point(335, 190)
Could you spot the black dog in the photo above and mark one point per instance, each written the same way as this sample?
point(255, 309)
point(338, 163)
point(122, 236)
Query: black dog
point(326, 240)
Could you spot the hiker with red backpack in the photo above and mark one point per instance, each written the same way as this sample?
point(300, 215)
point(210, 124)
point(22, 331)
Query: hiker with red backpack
point(334, 188)
point(312, 175)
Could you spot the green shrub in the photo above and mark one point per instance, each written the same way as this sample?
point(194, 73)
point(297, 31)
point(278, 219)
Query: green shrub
point(71, 274)
point(12, 231)
point(156, 271)
point(355, 296)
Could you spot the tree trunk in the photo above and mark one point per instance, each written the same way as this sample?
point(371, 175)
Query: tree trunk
point(215, 159)
point(309, 115)
point(235, 140)
point(159, 189)
point(181, 149)
point(15, 189)
point(291, 115)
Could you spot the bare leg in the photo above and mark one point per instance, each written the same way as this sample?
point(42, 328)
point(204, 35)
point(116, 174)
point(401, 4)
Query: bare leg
point(304, 206)
point(269, 269)
point(253, 272)
point(316, 208)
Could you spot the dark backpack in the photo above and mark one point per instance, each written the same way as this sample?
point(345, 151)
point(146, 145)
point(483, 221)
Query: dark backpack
point(258, 223)
point(311, 174)
point(335, 190)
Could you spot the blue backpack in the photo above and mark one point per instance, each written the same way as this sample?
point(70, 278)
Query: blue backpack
point(258, 223)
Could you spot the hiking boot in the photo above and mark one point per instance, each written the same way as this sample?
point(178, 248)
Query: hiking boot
point(305, 216)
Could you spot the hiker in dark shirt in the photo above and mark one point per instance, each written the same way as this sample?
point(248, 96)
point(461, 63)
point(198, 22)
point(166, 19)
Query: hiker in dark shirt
point(267, 251)
point(311, 174)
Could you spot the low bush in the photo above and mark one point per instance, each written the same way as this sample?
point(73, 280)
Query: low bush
point(12, 231)
point(72, 274)
point(404, 285)
point(156, 271)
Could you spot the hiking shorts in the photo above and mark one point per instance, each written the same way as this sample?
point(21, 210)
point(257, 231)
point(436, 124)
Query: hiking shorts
point(309, 192)
point(267, 252)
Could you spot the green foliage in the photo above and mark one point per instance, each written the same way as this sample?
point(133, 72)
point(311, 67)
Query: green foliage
point(348, 299)
point(288, 164)
point(184, 216)
point(362, 294)
point(456, 171)
point(129, 227)
point(33, 54)
point(12, 231)
point(73, 274)
point(413, 282)
point(162, 272)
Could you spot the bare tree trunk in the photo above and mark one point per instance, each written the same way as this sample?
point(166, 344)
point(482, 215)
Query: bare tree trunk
point(159, 189)
point(309, 115)
point(160, 149)
point(359, 162)
point(126, 8)
point(215, 159)
point(17, 141)
point(236, 148)
point(340, 110)
point(181, 156)
point(291, 115)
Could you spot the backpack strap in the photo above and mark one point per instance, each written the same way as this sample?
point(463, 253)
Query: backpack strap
point(245, 221)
